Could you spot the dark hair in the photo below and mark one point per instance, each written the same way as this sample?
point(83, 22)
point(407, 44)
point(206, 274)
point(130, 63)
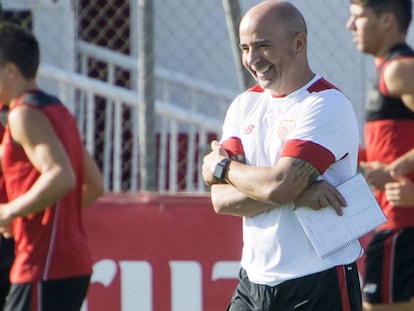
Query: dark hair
point(400, 8)
point(19, 46)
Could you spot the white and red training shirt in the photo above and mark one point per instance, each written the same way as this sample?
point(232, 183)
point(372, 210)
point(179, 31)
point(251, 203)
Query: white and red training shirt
point(315, 123)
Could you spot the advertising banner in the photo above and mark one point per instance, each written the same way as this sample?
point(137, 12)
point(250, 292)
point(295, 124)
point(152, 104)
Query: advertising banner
point(161, 252)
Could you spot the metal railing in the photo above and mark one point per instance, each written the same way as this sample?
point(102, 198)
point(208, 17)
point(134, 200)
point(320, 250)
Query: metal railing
point(177, 170)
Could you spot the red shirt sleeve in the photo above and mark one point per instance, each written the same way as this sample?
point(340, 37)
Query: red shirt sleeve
point(309, 151)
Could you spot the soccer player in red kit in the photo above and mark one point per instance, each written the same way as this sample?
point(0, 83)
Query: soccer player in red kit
point(49, 178)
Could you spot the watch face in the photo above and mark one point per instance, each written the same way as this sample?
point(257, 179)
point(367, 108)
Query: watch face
point(220, 170)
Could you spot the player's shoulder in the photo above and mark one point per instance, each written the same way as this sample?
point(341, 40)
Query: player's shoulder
point(399, 67)
point(252, 95)
point(38, 98)
point(321, 85)
point(399, 61)
point(322, 91)
point(397, 76)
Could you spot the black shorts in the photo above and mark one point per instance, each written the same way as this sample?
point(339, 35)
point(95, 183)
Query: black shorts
point(6, 260)
point(63, 295)
point(336, 289)
point(389, 267)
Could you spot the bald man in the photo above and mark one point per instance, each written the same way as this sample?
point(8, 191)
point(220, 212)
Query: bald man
point(280, 139)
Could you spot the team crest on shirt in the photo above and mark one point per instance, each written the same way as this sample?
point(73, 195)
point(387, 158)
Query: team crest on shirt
point(284, 127)
point(249, 129)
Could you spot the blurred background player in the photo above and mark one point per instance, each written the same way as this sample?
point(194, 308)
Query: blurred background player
point(379, 28)
point(49, 178)
point(6, 244)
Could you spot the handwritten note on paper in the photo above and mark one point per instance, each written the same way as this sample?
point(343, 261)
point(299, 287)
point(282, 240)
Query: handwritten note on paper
point(329, 232)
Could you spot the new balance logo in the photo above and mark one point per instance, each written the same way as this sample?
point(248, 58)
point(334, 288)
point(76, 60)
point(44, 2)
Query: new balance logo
point(370, 288)
point(248, 129)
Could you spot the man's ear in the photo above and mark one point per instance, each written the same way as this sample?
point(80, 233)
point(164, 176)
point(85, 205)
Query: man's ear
point(11, 69)
point(300, 41)
point(388, 20)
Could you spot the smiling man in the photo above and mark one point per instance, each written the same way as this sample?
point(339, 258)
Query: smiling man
point(291, 130)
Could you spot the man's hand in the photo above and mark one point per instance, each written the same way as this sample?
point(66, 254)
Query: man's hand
point(5, 221)
point(376, 173)
point(403, 165)
point(6, 231)
point(319, 195)
point(210, 161)
point(401, 192)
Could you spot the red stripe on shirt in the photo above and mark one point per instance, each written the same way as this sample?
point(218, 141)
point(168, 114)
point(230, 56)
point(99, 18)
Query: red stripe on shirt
point(381, 84)
point(256, 88)
point(343, 288)
point(310, 152)
point(321, 85)
point(387, 269)
point(35, 294)
point(233, 146)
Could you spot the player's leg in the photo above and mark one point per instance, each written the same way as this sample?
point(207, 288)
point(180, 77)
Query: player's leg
point(336, 289)
point(21, 297)
point(389, 271)
point(353, 285)
point(245, 295)
point(6, 260)
point(64, 294)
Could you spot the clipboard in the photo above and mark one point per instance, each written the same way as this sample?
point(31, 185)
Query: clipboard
point(328, 232)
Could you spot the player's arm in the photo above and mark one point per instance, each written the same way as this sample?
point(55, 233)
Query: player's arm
point(379, 174)
point(31, 129)
point(404, 164)
point(401, 192)
point(274, 185)
point(92, 187)
point(279, 184)
point(1, 156)
point(257, 189)
point(398, 77)
point(228, 200)
point(376, 173)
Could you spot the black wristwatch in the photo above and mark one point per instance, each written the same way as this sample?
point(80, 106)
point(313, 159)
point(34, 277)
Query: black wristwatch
point(220, 170)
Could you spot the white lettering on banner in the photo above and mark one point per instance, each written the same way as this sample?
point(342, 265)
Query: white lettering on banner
point(225, 270)
point(104, 272)
point(186, 286)
point(136, 285)
point(136, 282)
